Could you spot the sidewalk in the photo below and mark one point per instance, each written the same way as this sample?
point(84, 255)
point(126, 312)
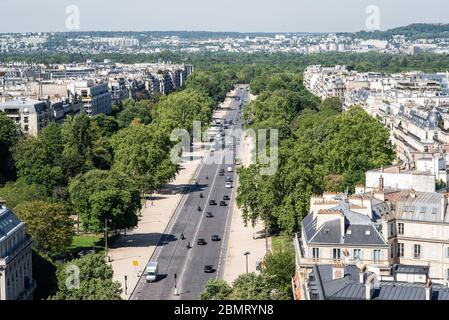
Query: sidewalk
point(241, 237)
point(139, 244)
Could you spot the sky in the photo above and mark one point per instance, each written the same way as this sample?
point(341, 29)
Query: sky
point(216, 15)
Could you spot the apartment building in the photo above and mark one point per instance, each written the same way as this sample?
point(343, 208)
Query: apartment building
point(378, 227)
point(16, 278)
point(95, 96)
point(30, 115)
point(352, 282)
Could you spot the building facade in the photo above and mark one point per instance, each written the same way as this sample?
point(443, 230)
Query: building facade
point(16, 278)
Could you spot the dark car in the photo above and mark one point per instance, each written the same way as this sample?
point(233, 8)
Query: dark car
point(209, 215)
point(221, 173)
point(222, 170)
point(226, 197)
point(223, 204)
point(209, 269)
point(201, 242)
point(215, 238)
point(212, 202)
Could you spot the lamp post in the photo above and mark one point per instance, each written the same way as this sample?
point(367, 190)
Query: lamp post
point(247, 253)
point(126, 285)
point(106, 239)
point(176, 287)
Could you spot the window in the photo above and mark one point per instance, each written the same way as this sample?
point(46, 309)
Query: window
point(447, 274)
point(357, 254)
point(391, 229)
point(422, 210)
point(411, 209)
point(404, 209)
point(400, 250)
point(417, 251)
point(400, 228)
point(377, 255)
point(336, 254)
point(434, 210)
point(447, 252)
point(316, 253)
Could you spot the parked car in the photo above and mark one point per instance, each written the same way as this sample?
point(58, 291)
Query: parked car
point(228, 179)
point(215, 238)
point(209, 215)
point(201, 242)
point(226, 197)
point(221, 174)
point(229, 169)
point(212, 203)
point(223, 204)
point(209, 269)
point(228, 185)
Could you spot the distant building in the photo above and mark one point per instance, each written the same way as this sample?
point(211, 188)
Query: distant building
point(16, 278)
point(96, 97)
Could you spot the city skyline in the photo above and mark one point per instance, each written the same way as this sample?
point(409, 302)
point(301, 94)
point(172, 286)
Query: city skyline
point(202, 15)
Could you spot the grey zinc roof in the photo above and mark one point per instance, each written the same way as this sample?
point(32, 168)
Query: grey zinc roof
point(349, 287)
point(356, 225)
point(8, 222)
point(33, 106)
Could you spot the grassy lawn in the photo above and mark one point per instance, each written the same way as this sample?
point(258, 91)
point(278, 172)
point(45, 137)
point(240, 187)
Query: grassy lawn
point(81, 242)
point(282, 243)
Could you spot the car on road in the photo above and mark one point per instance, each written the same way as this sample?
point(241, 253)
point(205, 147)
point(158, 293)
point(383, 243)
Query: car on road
point(212, 203)
point(228, 185)
point(223, 204)
point(152, 271)
point(215, 238)
point(209, 269)
point(201, 242)
point(209, 215)
point(226, 197)
point(221, 174)
point(229, 169)
point(228, 179)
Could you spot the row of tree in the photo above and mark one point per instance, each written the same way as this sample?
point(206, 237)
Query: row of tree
point(320, 149)
point(95, 169)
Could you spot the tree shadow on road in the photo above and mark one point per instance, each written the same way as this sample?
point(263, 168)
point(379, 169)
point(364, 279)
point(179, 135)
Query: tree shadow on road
point(143, 240)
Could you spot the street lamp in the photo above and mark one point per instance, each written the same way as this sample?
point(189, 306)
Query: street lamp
point(247, 253)
point(176, 287)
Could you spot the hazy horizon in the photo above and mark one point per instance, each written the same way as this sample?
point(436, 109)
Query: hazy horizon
point(250, 16)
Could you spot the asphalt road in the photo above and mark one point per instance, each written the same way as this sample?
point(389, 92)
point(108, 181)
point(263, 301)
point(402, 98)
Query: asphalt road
point(172, 253)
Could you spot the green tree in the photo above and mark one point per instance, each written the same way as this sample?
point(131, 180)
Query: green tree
point(37, 163)
point(9, 135)
point(15, 193)
point(281, 267)
point(143, 153)
point(181, 109)
point(135, 110)
point(100, 195)
point(216, 289)
point(95, 280)
point(48, 224)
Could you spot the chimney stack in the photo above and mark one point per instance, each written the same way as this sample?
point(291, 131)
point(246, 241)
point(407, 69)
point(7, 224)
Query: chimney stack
point(338, 271)
point(428, 289)
point(362, 274)
point(2, 204)
point(369, 287)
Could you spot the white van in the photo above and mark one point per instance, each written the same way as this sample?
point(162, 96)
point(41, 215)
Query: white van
point(152, 271)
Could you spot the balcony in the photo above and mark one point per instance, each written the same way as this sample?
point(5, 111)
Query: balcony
point(303, 261)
